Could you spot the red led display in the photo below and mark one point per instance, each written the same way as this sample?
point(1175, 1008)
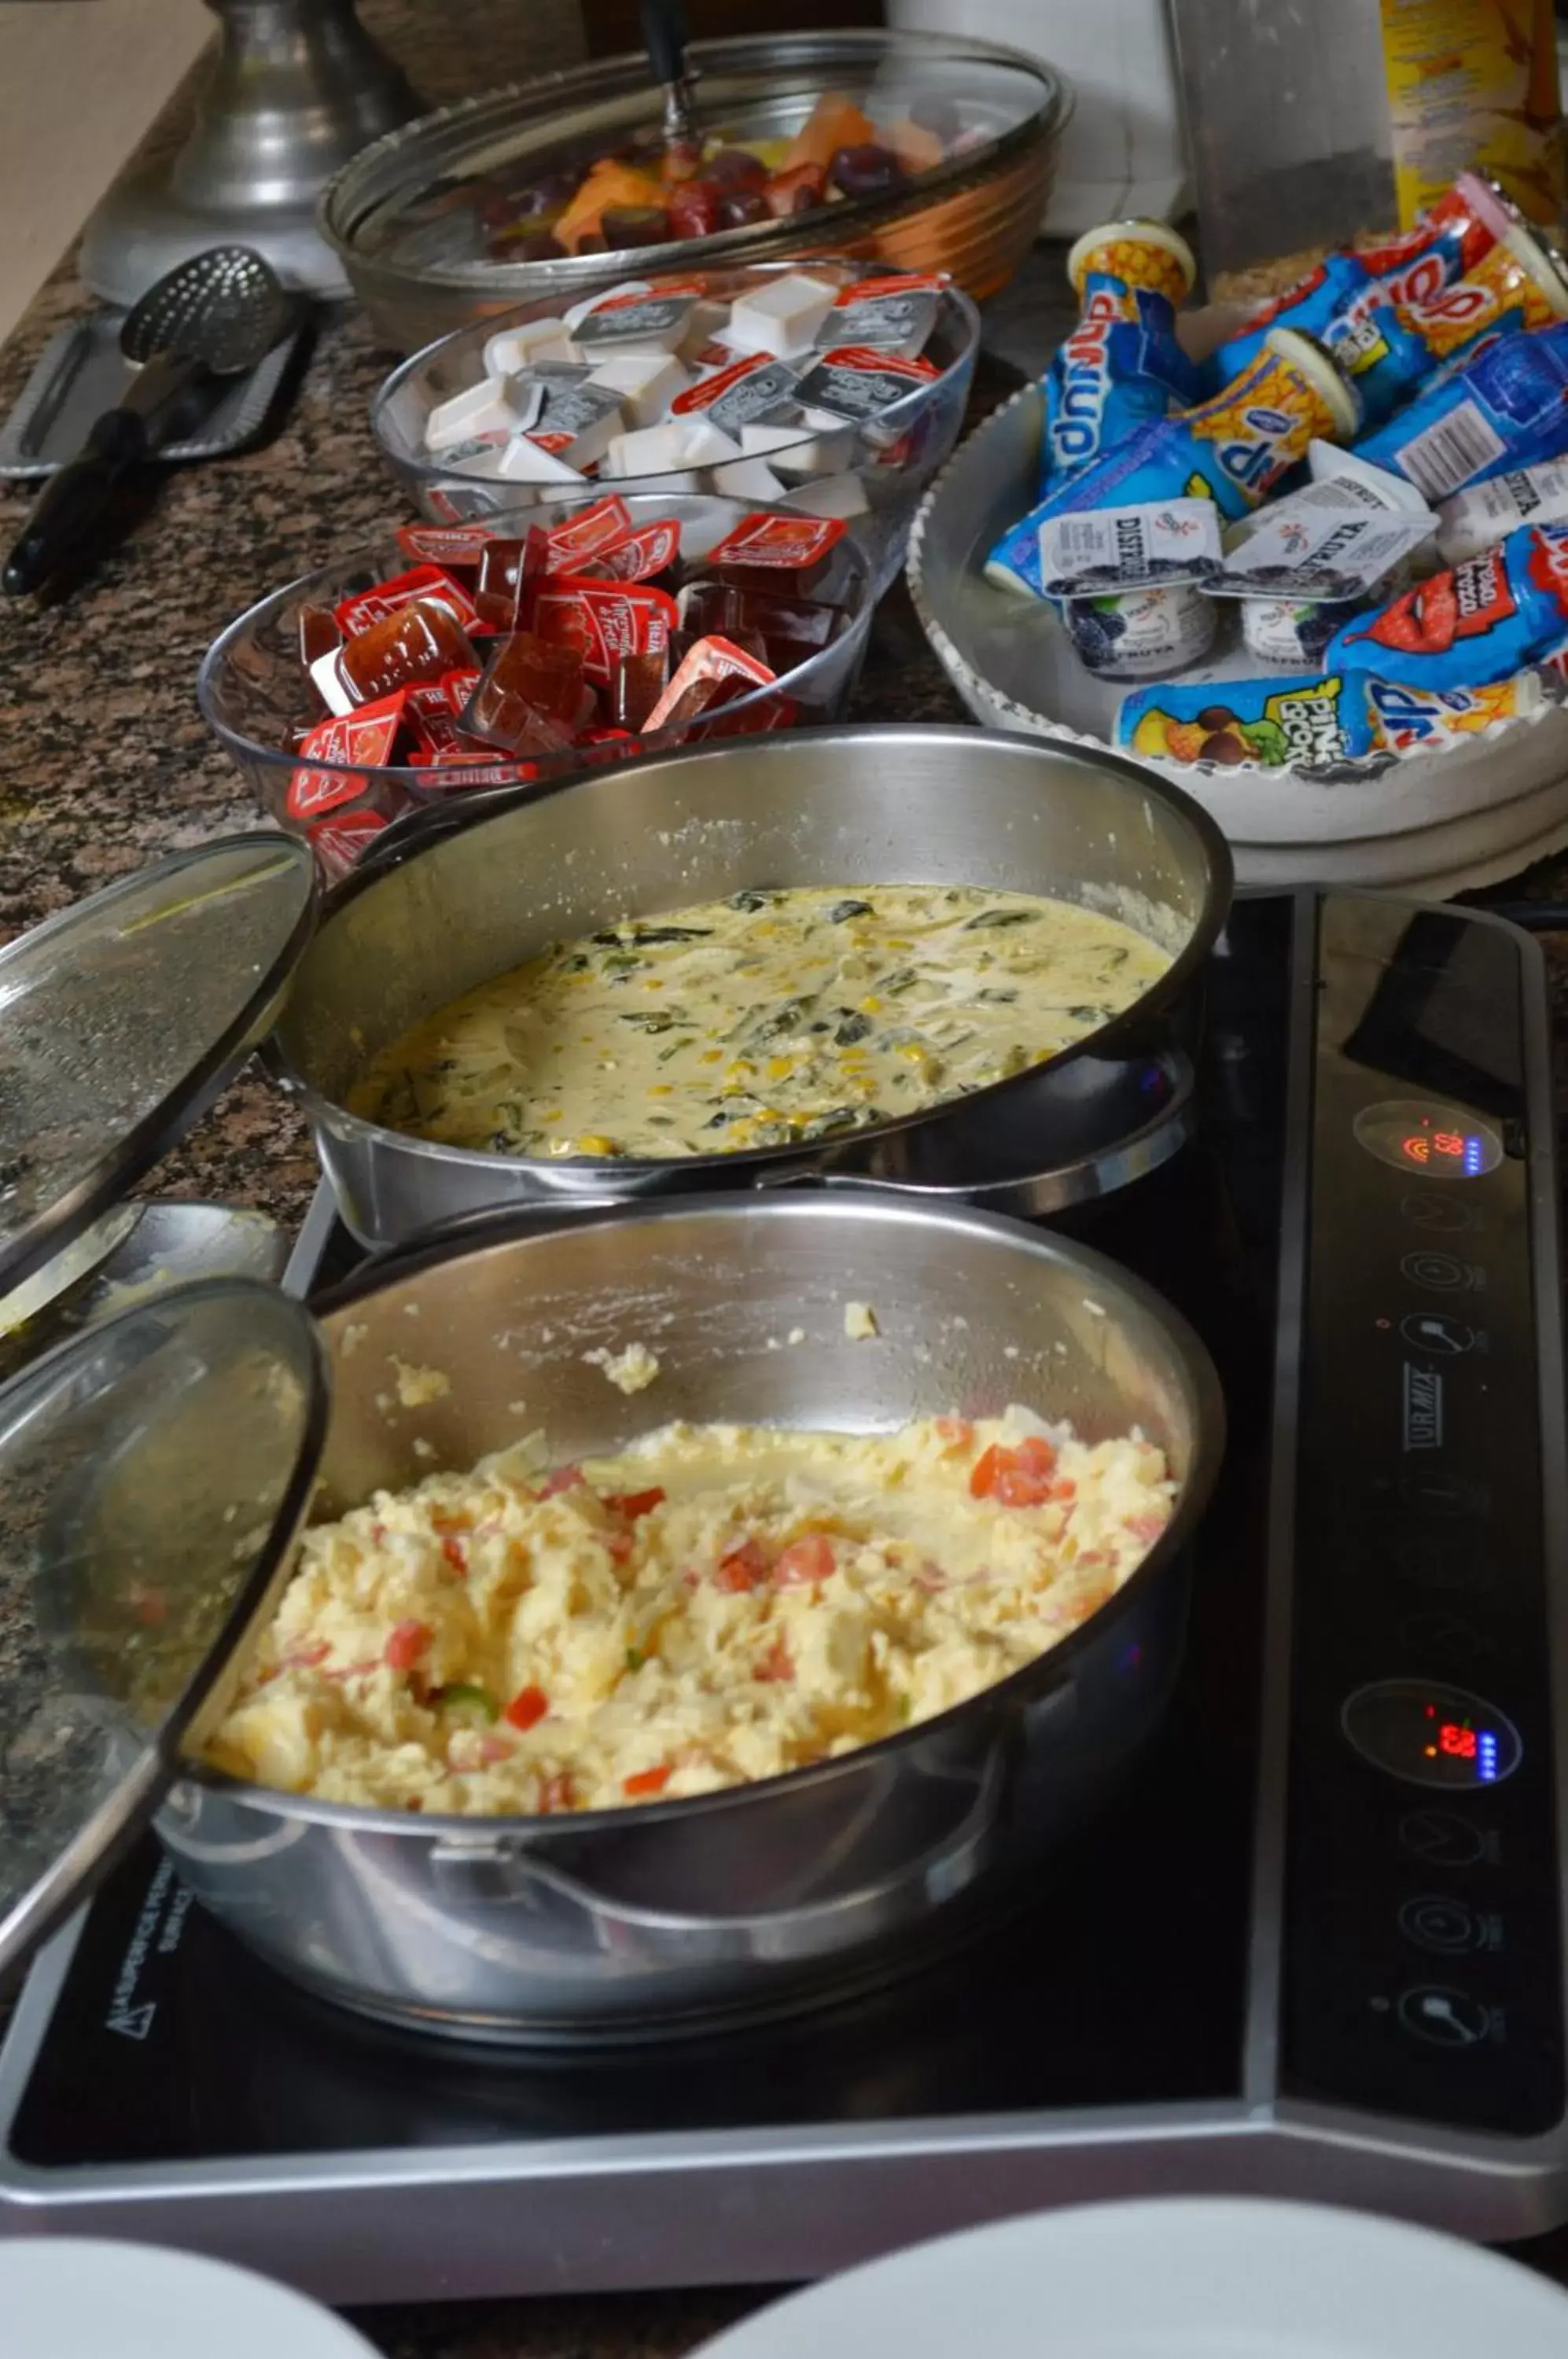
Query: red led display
point(1457, 1741)
point(1420, 1149)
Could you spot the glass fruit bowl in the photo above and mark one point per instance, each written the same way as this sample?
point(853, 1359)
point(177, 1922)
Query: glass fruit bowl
point(426, 219)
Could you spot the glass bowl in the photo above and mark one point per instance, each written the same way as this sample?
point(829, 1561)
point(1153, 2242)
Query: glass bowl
point(412, 216)
point(894, 457)
point(252, 691)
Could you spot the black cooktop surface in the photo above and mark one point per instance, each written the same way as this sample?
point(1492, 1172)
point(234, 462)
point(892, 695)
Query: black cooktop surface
point(1416, 1883)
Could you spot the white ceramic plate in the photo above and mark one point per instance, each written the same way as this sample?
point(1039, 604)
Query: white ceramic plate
point(1179, 2280)
point(78, 2298)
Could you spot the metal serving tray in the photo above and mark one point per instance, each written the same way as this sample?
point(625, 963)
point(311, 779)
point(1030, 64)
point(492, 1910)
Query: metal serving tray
point(82, 372)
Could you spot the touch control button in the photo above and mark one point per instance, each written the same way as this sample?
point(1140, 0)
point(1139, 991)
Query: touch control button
point(1440, 1560)
point(1440, 1272)
point(1444, 1635)
point(1432, 1921)
point(1436, 1332)
point(1445, 1840)
point(1444, 1494)
point(1429, 1734)
point(1447, 2018)
point(1446, 1214)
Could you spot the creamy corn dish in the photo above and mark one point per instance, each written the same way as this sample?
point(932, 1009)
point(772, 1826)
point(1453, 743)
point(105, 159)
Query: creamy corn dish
point(714, 1605)
point(766, 1018)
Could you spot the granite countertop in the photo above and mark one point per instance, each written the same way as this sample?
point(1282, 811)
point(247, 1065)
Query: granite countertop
point(109, 766)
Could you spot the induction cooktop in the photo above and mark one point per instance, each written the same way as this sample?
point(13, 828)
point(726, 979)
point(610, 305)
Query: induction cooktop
point(1316, 1947)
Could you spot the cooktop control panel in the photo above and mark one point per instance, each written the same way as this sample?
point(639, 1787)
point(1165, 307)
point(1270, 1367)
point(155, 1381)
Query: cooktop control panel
point(1422, 1938)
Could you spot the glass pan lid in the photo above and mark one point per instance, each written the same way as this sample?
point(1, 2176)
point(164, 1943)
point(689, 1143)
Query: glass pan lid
point(124, 1017)
point(153, 1475)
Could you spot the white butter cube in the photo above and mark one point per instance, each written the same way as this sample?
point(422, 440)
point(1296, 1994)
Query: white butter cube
point(511, 350)
point(830, 495)
point(749, 479)
point(706, 445)
point(701, 328)
point(644, 382)
point(761, 442)
point(792, 451)
point(523, 461)
point(335, 695)
point(781, 318)
point(647, 450)
point(486, 407)
point(830, 450)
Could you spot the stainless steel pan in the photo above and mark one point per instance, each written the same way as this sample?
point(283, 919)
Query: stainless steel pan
point(825, 807)
point(742, 1902)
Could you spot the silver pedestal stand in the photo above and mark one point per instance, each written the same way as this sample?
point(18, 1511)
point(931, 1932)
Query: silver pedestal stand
point(298, 88)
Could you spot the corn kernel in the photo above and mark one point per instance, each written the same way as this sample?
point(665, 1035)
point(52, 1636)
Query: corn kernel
point(872, 1006)
point(593, 1142)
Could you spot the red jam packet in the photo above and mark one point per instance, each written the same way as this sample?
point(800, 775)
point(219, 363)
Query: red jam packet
point(366, 736)
point(603, 621)
point(790, 543)
point(475, 771)
point(701, 675)
point(507, 572)
point(318, 634)
point(371, 606)
point(639, 682)
point(530, 699)
point(459, 547)
point(339, 842)
point(430, 715)
point(582, 535)
point(418, 640)
point(641, 554)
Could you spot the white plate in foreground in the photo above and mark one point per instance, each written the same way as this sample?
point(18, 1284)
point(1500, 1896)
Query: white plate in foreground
point(1207, 2278)
point(82, 2297)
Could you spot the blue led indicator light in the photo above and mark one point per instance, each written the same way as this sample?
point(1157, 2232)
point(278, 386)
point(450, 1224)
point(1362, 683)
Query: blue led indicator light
point(1475, 1155)
point(1487, 1758)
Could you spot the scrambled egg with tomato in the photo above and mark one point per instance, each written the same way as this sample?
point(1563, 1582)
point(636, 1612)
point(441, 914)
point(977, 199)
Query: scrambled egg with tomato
point(714, 1605)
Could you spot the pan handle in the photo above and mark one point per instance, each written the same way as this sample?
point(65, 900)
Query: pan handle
point(506, 1869)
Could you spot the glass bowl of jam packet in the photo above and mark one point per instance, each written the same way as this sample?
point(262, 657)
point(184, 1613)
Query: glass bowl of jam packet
point(831, 387)
point(446, 658)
